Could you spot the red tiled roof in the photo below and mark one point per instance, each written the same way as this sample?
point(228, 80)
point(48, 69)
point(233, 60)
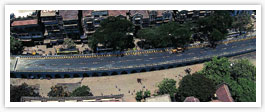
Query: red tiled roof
point(69, 14)
point(24, 22)
point(223, 93)
point(191, 99)
point(87, 13)
point(143, 12)
point(117, 12)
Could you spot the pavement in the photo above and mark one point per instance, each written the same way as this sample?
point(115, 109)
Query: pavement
point(98, 63)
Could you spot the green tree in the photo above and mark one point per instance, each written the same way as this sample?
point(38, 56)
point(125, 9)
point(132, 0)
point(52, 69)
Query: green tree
point(81, 91)
point(217, 70)
point(242, 22)
point(16, 92)
point(213, 28)
point(196, 85)
point(167, 86)
point(240, 76)
point(142, 95)
point(171, 34)
point(113, 33)
point(16, 46)
point(243, 75)
point(243, 68)
point(68, 43)
point(58, 91)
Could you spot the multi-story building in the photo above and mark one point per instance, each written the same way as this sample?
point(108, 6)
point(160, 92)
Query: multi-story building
point(71, 24)
point(123, 14)
point(140, 18)
point(53, 25)
point(87, 24)
point(99, 15)
point(27, 31)
point(157, 17)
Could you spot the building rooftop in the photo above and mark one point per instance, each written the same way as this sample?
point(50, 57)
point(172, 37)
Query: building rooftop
point(160, 12)
point(161, 98)
point(117, 12)
point(24, 22)
point(143, 12)
point(107, 98)
point(87, 13)
point(48, 13)
point(223, 94)
point(23, 13)
point(69, 14)
point(191, 99)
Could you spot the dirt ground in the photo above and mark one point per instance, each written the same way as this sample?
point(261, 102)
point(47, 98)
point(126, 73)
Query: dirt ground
point(122, 84)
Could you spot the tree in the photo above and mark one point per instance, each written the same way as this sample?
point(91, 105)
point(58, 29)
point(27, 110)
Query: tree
point(58, 91)
point(243, 75)
point(196, 85)
point(69, 43)
point(16, 92)
point(171, 34)
point(113, 33)
point(167, 86)
point(142, 95)
point(213, 28)
point(240, 76)
point(217, 70)
point(242, 22)
point(243, 69)
point(81, 91)
point(16, 46)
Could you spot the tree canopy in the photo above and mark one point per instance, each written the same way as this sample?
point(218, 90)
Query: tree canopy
point(68, 43)
point(113, 33)
point(58, 91)
point(142, 95)
point(16, 92)
point(81, 91)
point(167, 86)
point(16, 46)
point(171, 34)
point(213, 28)
point(242, 22)
point(196, 85)
point(240, 75)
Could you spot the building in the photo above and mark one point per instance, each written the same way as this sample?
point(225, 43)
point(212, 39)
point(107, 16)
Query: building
point(98, 15)
point(108, 98)
point(123, 14)
point(29, 31)
point(24, 13)
point(53, 25)
point(87, 24)
point(71, 24)
point(191, 99)
point(140, 18)
point(223, 94)
point(160, 98)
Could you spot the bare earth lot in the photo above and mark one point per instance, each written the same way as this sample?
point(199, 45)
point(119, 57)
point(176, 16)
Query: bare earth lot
point(122, 84)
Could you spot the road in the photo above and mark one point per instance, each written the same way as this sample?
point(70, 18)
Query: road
point(88, 64)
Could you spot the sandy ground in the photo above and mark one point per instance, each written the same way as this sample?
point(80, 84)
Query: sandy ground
point(123, 84)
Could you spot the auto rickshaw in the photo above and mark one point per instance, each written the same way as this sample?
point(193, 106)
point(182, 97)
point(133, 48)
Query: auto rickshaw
point(177, 50)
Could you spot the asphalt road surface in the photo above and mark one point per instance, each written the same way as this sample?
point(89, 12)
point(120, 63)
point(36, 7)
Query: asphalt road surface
point(87, 64)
